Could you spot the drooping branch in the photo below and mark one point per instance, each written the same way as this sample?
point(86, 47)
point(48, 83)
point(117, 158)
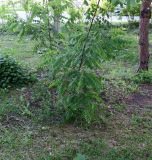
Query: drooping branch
point(88, 34)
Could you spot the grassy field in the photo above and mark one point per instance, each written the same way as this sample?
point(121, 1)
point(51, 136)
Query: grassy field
point(31, 129)
point(20, 49)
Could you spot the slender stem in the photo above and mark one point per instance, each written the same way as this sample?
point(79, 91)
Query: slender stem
point(49, 28)
point(88, 34)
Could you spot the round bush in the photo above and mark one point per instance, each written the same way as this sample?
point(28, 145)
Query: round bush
point(13, 74)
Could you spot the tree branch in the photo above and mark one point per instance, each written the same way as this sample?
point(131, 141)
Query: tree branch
point(88, 34)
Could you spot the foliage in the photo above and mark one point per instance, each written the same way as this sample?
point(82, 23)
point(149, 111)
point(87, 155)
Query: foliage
point(143, 77)
point(129, 3)
point(40, 23)
point(79, 86)
point(131, 11)
point(109, 7)
point(76, 75)
point(12, 25)
point(12, 74)
point(40, 30)
point(132, 25)
point(80, 157)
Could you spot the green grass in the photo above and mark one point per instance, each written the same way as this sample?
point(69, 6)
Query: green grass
point(30, 128)
point(20, 49)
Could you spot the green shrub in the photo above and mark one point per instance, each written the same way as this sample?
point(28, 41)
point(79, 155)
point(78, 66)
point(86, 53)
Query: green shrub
point(10, 25)
point(12, 74)
point(143, 77)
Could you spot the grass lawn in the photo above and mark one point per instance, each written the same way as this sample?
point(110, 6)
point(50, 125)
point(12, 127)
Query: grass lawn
point(31, 129)
point(20, 49)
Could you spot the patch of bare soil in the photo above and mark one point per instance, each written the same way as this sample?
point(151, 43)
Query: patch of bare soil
point(16, 121)
point(136, 104)
point(143, 98)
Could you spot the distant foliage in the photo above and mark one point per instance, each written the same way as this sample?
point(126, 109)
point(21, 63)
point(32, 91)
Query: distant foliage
point(131, 11)
point(12, 74)
point(40, 23)
point(7, 26)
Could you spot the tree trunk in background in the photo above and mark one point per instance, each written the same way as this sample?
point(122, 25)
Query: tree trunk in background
point(145, 16)
point(56, 23)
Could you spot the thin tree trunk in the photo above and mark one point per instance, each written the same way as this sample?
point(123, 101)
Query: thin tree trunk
point(144, 34)
point(56, 23)
point(49, 23)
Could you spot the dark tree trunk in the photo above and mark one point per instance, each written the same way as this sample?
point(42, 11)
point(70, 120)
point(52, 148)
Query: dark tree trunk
point(145, 16)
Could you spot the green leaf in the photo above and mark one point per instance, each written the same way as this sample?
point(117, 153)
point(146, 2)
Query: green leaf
point(133, 3)
point(86, 2)
point(115, 2)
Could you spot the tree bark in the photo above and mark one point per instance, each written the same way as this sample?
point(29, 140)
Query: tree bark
point(145, 16)
point(56, 23)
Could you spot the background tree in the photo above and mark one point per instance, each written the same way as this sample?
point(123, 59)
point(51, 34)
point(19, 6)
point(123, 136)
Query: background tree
point(145, 15)
point(131, 12)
